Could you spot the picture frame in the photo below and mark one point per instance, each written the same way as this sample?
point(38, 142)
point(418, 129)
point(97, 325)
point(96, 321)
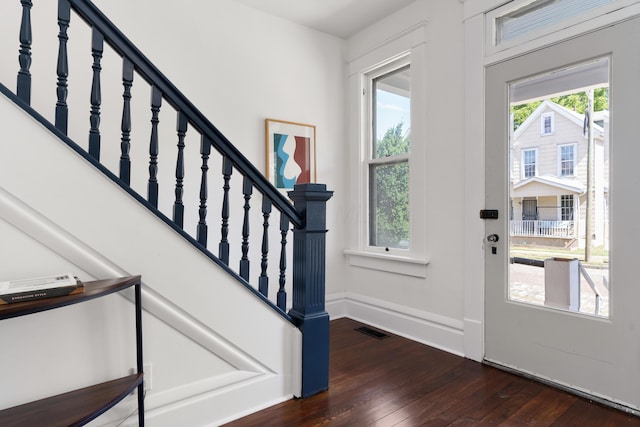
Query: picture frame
point(290, 153)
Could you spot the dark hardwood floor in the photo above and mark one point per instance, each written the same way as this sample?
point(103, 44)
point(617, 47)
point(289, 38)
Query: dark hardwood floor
point(397, 382)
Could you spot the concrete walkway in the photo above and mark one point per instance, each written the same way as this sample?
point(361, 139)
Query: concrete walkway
point(527, 285)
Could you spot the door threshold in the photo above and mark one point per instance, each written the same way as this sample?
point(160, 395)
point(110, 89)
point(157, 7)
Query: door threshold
point(580, 393)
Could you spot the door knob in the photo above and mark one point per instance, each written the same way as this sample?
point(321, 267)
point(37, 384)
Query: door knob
point(493, 238)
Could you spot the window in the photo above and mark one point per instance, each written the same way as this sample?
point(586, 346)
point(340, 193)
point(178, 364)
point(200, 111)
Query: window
point(388, 156)
point(566, 207)
point(547, 124)
point(534, 16)
point(388, 162)
point(567, 159)
point(529, 163)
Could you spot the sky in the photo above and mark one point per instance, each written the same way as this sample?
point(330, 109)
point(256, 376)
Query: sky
point(391, 110)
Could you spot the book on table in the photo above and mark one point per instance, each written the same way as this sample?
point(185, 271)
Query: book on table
point(40, 287)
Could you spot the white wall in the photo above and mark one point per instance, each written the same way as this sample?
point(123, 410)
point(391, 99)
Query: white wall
point(240, 66)
point(428, 309)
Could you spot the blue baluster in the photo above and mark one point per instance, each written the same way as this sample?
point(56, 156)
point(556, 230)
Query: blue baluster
point(125, 142)
point(62, 68)
point(247, 190)
point(152, 187)
point(178, 206)
point(281, 298)
point(23, 89)
point(263, 281)
point(205, 151)
point(97, 46)
point(223, 247)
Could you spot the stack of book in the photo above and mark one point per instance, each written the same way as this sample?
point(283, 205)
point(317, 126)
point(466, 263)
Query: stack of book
point(38, 288)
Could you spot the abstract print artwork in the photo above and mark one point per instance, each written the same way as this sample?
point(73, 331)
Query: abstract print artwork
point(291, 153)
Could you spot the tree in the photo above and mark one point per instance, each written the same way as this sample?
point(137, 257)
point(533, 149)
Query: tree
point(391, 192)
point(574, 101)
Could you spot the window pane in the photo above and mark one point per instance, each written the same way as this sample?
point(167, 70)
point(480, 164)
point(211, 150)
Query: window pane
point(566, 160)
point(389, 205)
point(529, 163)
point(541, 14)
point(566, 203)
point(547, 125)
point(392, 113)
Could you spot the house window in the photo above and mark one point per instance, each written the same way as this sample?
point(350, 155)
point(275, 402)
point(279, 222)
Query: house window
point(566, 207)
point(567, 159)
point(389, 157)
point(547, 124)
point(529, 163)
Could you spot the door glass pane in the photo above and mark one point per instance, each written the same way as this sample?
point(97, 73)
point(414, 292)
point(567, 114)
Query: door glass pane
point(559, 226)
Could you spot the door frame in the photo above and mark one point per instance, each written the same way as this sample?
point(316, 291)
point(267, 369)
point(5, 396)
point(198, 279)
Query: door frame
point(476, 59)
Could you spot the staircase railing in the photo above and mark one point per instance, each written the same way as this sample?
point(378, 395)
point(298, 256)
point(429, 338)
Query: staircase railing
point(306, 216)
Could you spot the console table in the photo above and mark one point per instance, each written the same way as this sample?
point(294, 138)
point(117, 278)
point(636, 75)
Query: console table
point(78, 407)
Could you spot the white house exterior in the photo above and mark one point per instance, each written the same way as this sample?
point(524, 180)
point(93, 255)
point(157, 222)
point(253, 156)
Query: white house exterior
point(549, 177)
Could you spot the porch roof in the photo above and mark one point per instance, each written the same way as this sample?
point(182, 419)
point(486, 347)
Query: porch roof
point(547, 186)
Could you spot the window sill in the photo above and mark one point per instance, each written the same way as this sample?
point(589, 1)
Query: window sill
point(407, 266)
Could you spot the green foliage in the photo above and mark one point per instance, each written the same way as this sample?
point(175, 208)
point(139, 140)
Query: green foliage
point(576, 102)
point(391, 187)
point(522, 111)
point(393, 143)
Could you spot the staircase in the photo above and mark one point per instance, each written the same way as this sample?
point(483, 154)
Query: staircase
point(107, 210)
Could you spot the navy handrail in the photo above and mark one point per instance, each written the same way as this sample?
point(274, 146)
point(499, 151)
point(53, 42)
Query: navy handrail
point(124, 47)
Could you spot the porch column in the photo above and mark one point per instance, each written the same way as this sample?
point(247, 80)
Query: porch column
point(308, 311)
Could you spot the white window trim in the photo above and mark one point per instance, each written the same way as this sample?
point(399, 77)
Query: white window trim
point(543, 118)
point(522, 164)
point(406, 48)
point(575, 155)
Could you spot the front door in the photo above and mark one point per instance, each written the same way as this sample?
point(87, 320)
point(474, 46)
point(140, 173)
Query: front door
point(529, 209)
point(596, 353)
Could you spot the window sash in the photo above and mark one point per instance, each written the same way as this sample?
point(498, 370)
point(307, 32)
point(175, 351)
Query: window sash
point(540, 14)
point(547, 126)
point(529, 163)
point(389, 217)
point(389, 222)
point(567, 160)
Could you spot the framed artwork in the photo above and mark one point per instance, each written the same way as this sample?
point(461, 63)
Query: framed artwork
point(291, 153)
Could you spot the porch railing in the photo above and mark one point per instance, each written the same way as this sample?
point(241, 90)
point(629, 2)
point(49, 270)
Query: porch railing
point(240, 181)
point(542, 228)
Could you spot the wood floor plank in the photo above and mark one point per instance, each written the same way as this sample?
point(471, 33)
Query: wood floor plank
point(395, 382)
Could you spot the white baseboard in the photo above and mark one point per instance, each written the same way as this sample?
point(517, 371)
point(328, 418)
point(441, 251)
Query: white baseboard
point(336, 305)
point(431, 329)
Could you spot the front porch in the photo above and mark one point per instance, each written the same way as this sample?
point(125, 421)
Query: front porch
point(558, 234)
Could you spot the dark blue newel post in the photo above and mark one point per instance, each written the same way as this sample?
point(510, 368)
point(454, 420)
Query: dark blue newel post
point(308, 311)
